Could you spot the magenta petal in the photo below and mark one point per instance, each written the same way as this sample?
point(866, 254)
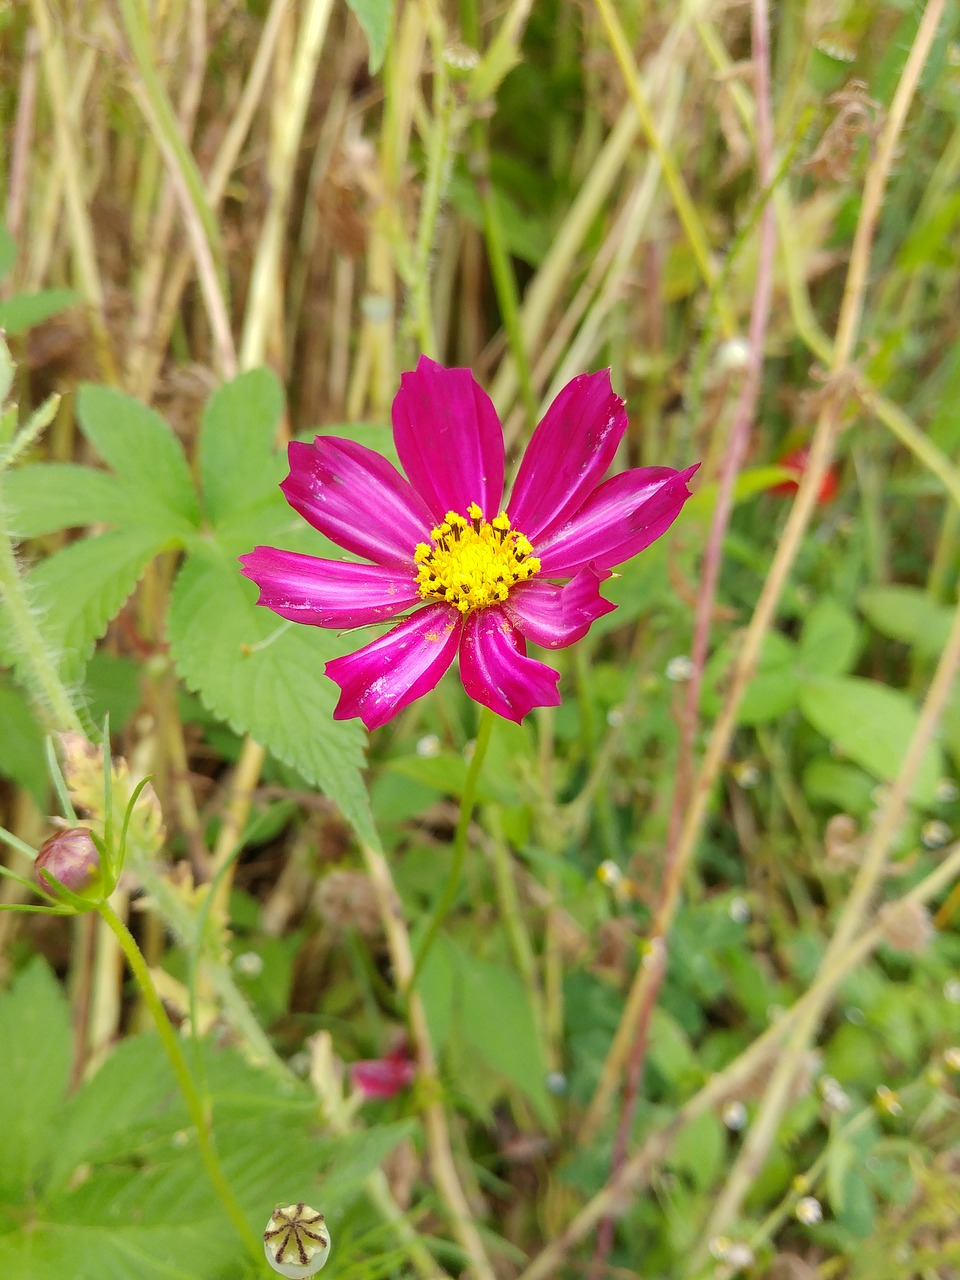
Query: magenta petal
point(496, 671)
point(619, 519)
point(387, 675)
point(555, 616)
point(449, 439)
point(382, 1077)
point(328, 593)
point(357, 499)
point(568, 454)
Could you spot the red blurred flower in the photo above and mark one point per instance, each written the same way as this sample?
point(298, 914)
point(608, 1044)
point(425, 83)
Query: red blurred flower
point(384, 1077)
point(796, 461)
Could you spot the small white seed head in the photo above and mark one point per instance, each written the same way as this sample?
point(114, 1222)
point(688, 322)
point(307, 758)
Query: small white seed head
point(679, 669)
point(935, 834)
point(809, 1210)
point(734, 1115)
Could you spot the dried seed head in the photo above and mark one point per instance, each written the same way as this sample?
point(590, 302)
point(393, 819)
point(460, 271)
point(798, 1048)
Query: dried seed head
point(907, 926)
point(842, 841)
point(858, 118)
point(346, 900)
point(296, 1241)
point(73, 859)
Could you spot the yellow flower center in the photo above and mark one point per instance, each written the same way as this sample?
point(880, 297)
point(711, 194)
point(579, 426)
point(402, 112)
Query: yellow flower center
point(473, 562)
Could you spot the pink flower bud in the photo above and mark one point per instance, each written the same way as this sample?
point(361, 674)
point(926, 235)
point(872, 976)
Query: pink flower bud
point(70, 857)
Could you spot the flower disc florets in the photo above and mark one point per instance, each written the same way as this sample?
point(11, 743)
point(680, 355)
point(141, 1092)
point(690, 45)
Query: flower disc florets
point(473, 562)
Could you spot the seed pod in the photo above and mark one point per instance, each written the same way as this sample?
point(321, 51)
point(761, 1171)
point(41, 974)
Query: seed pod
point(296, 1240)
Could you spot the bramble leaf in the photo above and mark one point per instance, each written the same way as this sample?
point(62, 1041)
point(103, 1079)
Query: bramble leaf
point(264, 677)
point(143, 451)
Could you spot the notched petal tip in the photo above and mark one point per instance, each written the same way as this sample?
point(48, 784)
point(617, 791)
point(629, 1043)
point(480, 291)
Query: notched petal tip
point(554, 616)
point(496, 671)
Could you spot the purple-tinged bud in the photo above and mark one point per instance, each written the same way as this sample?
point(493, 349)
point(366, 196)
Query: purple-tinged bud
point(70, 857)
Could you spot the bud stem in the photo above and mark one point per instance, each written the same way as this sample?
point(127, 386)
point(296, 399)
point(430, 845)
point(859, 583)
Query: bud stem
point(188, 1087)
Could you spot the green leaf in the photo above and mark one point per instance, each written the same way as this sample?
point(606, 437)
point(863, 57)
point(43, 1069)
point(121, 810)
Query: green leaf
point(115, 1111)
point(497, 1020)
point(36, 1039)
point(829, 640)
point(264, 676)
point(78, 589)
point(143, 451)
point(237, 436)
point(907, 614)
point(827, 781)
point(376, 18)
point(46, 497)
point(22, 312)
point(698, 1150)
point(22, 755)
point(749, 483)
point(112, 686)
point(872, 725)
point(359, 1155)
point(773, 689)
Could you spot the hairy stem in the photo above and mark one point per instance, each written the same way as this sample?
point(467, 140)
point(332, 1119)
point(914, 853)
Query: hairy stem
point(175, 1054)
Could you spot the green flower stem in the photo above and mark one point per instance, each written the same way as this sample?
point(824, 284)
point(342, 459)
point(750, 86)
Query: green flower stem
point(178, 1061)
point(35, 663)
point(467, 802)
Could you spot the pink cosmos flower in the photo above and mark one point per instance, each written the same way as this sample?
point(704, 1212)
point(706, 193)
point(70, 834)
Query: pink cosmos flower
point(481, 578)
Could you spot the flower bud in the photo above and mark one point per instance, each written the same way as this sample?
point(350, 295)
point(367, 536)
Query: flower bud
point(296, 1241)
point(71, 858)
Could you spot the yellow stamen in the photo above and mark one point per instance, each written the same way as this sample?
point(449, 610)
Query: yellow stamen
point(473, 562)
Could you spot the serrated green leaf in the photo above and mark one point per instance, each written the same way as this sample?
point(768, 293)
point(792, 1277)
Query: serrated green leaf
point(375, 17)
point(80, 588)
point(265, 677)
point(22, 755)
point(22, 312)
point(36, 1040)
point(497, 1020)
point(236, 438)
point(143, 451)
point(829, 640)
point(872, 724)
point(907, 614)
point(46, 497)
